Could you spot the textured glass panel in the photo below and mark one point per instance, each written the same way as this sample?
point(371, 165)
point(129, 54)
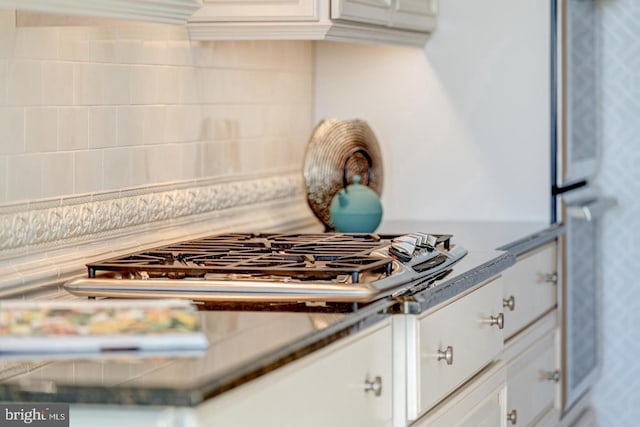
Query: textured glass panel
point(581, 74)
point(583, 339)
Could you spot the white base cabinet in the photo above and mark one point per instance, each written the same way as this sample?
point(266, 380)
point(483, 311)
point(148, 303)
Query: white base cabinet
point(347, 383)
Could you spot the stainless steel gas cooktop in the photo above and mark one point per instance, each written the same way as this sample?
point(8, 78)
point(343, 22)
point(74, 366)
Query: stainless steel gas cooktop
point(261, 267)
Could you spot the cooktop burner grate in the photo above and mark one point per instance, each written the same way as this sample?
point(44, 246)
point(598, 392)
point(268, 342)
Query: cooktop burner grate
point(296, 256)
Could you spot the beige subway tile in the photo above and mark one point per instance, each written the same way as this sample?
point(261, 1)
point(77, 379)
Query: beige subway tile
point(252, 156)
point(176, 33)
point(163, 163)
point(182, 123)
point(103, 51)
point(191, 166)
point(73, 128)
point(154, 52)
point(25, 83)
point(37, 42)
point(73, 44)
point(288, 119)
point(130, 125)
point(189, 85)
point(3, 81)
point(57, 174)
point(24, 178)
point(168, 81)
point(103, 32)
point(117, 168)
point(220, 158)
point(139, 166)
point(57, 83)
point(144, 84)
point(3, 179)
point(41, 129)
point(88, 84)
point(248, 121)
point(11, 130)
point(179, 53)
point(7, 32)
point(102, 127)
point(214, 86)
point(88, 171)
point(117, 84)
point(154, 124)
point(128, 51)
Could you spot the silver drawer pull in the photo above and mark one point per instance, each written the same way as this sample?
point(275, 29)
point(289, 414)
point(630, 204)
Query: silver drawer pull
point(512, 417)
point(496, 321)
point(551, 376)
point(446, 355)
point(374, 386)
point(551, 278)
point(509, 303)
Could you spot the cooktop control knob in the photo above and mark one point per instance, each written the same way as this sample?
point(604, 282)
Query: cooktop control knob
point(421, 239)
point(403, 246)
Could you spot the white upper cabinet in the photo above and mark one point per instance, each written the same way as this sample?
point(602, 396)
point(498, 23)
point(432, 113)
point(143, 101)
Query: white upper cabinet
point(369, 11)
point(418, 15)
point(257, 11)
point(161, 11)
point(405, 22)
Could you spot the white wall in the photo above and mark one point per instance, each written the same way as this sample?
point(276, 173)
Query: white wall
point(464, 124)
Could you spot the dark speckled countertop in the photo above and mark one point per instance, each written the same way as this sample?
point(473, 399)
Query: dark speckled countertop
point(247, 344)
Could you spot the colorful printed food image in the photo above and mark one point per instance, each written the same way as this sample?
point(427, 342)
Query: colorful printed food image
point(96, 319)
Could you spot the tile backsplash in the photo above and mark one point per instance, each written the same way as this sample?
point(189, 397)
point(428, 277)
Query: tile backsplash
point(101, 108)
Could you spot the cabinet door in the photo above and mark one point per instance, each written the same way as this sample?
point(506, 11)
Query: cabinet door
point(531, 382)
point(346, 383)
point(368, 11)
point(257, 10)
point(480, 403)
point(418, 15)
point(455, 342)
point(530, 288)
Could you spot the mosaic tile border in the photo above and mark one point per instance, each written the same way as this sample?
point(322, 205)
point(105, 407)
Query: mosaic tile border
point(55, 221)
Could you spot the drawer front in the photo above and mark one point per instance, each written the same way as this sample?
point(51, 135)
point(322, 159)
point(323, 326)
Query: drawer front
point(531, 389)
point(457, 341)
point(336, 386)
point(480, 404)
point(530, 289)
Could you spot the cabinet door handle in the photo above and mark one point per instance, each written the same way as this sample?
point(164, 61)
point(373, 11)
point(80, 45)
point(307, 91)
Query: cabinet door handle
point(552, 376)
point(512, 417)
point(551, 278)
point(374, 386)
point(509, 303)
point(446, 355)
point(496, 321)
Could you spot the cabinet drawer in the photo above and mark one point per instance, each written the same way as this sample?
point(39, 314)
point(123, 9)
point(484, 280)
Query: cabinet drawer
point(335, 386)
point(530, 288)
point(481, 403)
point(531, 389)
point(455, 342)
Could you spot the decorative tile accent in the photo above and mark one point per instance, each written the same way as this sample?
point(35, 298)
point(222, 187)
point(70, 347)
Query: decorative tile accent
point(50, 223)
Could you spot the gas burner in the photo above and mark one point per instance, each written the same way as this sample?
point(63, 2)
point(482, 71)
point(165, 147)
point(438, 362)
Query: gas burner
point(270, 267)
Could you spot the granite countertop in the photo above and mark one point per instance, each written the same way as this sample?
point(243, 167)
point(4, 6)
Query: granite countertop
point(247, 344)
